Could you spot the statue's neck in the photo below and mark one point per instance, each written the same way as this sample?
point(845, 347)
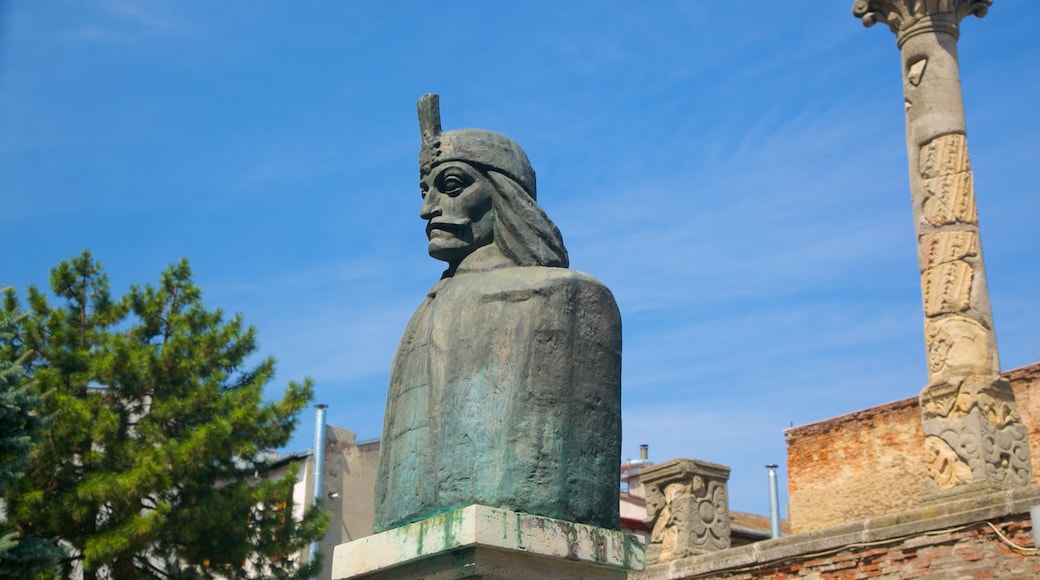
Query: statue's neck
point(482, 259)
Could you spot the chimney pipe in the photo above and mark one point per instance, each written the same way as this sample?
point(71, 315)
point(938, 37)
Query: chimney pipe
point(644, 451)
point(318, 462)
point(774, 503)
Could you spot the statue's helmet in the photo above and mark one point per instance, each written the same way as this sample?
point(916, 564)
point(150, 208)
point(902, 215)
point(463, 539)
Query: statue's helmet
point(485, 149)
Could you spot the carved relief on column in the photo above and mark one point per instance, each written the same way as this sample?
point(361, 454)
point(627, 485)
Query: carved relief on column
point(949, 195)
point(974, 434)
point(947, 288)
point(958, 346)
point(994, 401)
point(946, 270)
point(687, 509)
point(958, 333)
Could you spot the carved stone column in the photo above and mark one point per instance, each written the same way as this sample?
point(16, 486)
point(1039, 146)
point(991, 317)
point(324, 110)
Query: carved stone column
point(687, 509)
point(973, 433)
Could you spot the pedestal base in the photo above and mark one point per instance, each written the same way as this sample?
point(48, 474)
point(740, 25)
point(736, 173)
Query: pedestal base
point(974, 434)
point(483, 542)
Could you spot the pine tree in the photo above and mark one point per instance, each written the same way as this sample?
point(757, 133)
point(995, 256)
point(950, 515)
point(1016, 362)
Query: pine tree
point(158, 431)
point(21, 555)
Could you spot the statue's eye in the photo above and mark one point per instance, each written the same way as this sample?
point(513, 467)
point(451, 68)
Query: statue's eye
point(453, 185)
point(424, 188)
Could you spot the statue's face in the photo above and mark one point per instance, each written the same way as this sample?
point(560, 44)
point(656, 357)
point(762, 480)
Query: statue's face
point(458, 210)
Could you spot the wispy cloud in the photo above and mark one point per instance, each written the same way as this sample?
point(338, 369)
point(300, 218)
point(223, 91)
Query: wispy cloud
point(128, 22)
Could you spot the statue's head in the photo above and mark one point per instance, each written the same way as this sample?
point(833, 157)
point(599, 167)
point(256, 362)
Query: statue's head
point(480, 148)
point(479, 188)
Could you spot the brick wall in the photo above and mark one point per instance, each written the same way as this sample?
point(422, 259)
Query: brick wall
point(1026, 383)
point(975, 552)
point(871, 462)
point(855, 466)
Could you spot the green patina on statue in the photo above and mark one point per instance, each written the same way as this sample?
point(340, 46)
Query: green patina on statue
point(506, 388)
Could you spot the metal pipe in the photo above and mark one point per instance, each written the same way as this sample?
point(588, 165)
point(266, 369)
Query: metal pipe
point(774, 503)
point(318, 457)
point(1034, 517)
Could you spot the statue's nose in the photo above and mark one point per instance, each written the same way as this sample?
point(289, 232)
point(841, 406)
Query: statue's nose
point(431, 206)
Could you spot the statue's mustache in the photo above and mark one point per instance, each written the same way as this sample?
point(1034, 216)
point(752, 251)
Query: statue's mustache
point(451, 226)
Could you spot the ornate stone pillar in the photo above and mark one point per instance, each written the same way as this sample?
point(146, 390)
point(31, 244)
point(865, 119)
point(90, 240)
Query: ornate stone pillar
point(973, 432)
point(687, 509)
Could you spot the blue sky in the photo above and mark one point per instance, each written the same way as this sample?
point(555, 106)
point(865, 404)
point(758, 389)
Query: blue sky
point(734, 171)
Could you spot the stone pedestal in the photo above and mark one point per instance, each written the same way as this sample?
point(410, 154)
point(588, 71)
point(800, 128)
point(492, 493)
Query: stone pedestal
point(484, 542)
point(687, 509)
point(974, 435)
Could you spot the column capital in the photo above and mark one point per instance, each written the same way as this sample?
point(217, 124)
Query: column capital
point(687, 509)
point(905, 17)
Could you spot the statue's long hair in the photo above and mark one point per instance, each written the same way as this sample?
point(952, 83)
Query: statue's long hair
point(522, 230)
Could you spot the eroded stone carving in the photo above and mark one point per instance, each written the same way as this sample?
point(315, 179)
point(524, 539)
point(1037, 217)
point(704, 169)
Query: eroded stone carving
point(1009, 449)
point(995, 399)
point(949, 199)
point(974, 433)
point(946, 288)
point(998, 405)
point(957, 347)
point(945, 467)
point(687, 508)
point(505, 390)
point(945, 155)
point(938, 400)
point(947, 180)
point(916, 70)
point(944, 247)
point(946, 277)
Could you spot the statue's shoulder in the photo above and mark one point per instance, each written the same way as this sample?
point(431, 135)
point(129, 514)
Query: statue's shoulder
point(574, 277)
point(538, 280)
point(542, 276)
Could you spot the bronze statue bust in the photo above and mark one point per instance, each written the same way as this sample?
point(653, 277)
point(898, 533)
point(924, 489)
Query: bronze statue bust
point(506, 388)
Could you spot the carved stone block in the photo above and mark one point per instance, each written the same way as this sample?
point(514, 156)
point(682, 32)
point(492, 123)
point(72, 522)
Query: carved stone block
point(946, 469)
point(946, 288)
point(944, 247)
point(945, 155)
point(950, 199)
point(973, 433)
point(687, 508)
point(959, 346)
point(994, 398)
point(949, 194)
point(946, 275)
